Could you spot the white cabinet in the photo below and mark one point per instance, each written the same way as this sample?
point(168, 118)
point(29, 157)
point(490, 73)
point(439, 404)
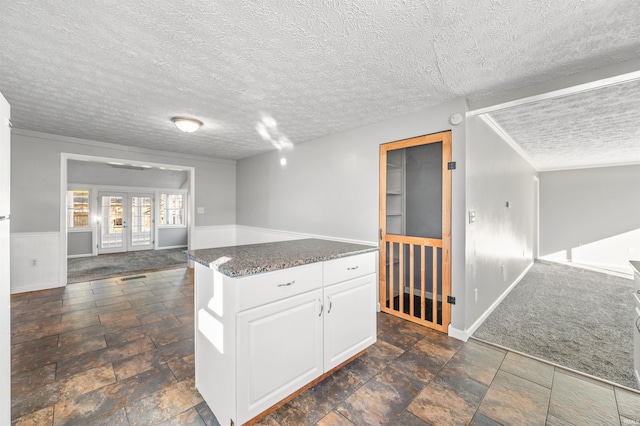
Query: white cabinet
point(279, 351)
point(349, 319)
point(260, 338)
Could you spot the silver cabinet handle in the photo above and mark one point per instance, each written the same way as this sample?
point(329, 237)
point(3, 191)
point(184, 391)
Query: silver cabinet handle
point(321, 307)
point(330, 304)
point(287, 284)
point(353, 268)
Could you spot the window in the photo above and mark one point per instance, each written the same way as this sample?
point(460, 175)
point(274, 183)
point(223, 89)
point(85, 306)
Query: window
point(78, 209)
point(172, 209)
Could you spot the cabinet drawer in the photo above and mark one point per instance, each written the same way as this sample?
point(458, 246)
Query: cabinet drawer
point(349, 267)
point(257, 290)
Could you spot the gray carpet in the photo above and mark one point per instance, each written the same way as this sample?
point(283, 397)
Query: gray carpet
point(573, 317)
point(134, 262)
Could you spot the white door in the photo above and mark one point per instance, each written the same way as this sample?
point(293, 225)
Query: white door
point(5, 276)
point(140, 228)
point(349, 319)
point(112, 223)
point(279, 351)
point(126, 222)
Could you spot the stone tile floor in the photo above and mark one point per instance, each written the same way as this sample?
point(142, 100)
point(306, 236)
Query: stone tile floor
point(114, 352)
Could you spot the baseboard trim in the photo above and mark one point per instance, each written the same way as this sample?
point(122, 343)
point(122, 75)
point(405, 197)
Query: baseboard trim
point(36, 287)
point(468, 332)
point(74, 256)
point(172, 247)
point(458, 334)
point(495, 304)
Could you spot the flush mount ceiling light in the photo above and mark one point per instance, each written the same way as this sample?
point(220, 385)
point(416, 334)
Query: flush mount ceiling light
point(187, 125)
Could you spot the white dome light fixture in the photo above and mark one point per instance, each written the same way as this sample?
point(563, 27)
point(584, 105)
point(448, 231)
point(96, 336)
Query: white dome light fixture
point(187, 125)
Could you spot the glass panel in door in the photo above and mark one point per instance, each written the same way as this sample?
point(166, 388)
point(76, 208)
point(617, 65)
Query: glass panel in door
point(112, 223)
point(141, 229)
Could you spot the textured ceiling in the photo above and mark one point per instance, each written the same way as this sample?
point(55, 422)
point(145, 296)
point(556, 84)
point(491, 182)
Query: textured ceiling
point(596, 128)
point(117, 70)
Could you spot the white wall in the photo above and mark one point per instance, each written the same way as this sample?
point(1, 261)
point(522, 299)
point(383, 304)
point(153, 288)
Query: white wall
point(329, 186)
point(591, 216)
point(35, 194)
point(500, 242)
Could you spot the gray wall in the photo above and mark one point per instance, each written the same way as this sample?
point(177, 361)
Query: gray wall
point(170, 237)
point(79, 243)
point(91, 173)
point(35, 179)
point(330, 186)
point(500, 242)
point(586, 205)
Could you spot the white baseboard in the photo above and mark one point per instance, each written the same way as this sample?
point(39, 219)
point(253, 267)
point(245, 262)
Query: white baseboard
point(44, 248)
point(468, 332)
point(36, 287)
point(622, 271)
point(171, 247)
point(458, 334)
point(73, 256)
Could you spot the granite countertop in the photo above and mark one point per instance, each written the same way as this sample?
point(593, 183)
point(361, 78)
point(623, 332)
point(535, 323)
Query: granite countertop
point(238, 261)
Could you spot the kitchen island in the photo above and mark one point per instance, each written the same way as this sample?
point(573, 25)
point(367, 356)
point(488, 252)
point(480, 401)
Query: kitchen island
point(272, 318)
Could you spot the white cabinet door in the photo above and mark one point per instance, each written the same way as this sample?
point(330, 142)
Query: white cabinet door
point(349, 320)
point(279, 351)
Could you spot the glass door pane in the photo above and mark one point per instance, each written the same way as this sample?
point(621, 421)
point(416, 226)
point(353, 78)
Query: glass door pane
point(112, 223)
point(141, 221)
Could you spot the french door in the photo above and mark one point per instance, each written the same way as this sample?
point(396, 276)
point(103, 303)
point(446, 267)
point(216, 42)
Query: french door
point(415, 229)
point(126, 222)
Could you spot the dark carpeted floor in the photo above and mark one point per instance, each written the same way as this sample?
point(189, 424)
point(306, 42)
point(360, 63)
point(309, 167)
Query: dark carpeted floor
point(573, 317)
point(134, 262)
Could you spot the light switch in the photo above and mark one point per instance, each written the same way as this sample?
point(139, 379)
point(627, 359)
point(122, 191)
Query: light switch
point(200, 210)
point(472, 216)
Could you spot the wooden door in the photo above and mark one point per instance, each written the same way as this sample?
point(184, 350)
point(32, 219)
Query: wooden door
point(415, 229)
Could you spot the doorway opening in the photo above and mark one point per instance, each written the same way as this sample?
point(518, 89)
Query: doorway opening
point(415, 229)
point(151, 216)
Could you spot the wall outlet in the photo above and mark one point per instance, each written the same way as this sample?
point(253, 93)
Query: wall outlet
point(200, 210)
point(34, 262)
point(503, 270)
point(475, 290)
point(472, 216)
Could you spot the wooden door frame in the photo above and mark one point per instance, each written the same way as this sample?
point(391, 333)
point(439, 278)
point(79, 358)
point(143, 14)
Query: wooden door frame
point(445, 139)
